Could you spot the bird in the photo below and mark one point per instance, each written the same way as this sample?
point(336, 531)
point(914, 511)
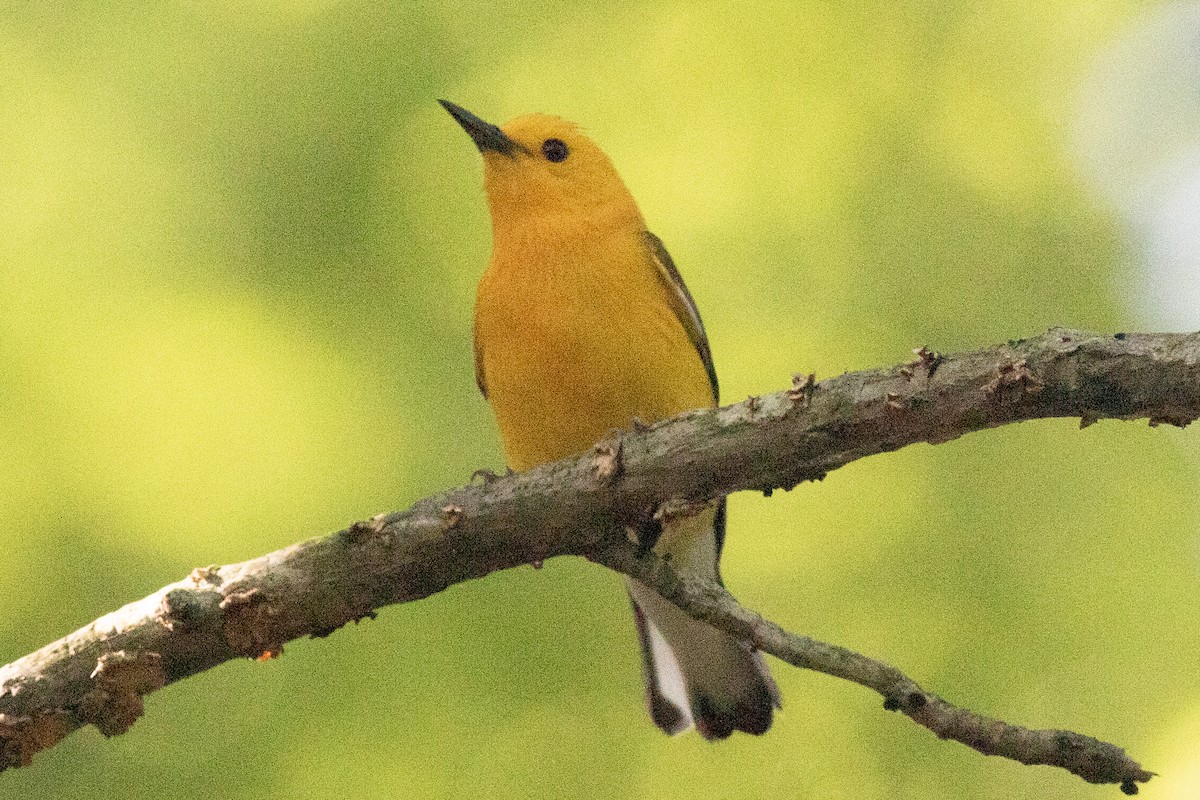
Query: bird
point(583, 325)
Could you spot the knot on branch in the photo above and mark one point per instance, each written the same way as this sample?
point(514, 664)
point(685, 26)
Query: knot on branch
point(181, 609)
point(210, 575)
point(802, 389)
point(1177, 420)
point(926, 359)
point(21, 737)
point(608, 461)
point(362, 530)
point(908, 703)
point(451, 515)
point(118, 682)
point(1013, 381)
point(250, 625)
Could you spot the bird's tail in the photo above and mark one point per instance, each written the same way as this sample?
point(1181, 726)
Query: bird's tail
point(695, 674)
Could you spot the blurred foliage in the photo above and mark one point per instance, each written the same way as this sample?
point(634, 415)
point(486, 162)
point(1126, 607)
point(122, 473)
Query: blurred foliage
point(239, 249)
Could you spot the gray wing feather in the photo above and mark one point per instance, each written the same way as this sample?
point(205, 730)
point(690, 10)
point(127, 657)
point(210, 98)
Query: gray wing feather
point(683, 305)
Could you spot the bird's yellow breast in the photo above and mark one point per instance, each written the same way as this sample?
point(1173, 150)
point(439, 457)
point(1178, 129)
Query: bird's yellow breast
point(576, 337)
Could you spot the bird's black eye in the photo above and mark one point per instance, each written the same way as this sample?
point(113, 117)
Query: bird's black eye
point(555, 150)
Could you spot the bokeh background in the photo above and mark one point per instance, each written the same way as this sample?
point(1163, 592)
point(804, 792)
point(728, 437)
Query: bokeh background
point(238, 255)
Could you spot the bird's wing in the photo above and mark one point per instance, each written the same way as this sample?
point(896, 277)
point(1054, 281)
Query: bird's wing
point(681, 303)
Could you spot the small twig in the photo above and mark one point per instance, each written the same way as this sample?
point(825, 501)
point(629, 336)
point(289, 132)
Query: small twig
point(1091, 759)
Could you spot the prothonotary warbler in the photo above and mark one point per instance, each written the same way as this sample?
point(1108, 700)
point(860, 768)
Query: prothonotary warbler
point(582, 324)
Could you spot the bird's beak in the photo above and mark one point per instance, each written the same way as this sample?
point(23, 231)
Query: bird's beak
point(485, 135)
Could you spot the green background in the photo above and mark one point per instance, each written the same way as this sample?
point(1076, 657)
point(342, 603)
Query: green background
point(240, 244)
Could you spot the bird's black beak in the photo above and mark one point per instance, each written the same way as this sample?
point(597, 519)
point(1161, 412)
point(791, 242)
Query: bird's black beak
point(485, 135)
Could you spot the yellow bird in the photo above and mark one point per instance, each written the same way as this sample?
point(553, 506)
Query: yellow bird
point(582, 324)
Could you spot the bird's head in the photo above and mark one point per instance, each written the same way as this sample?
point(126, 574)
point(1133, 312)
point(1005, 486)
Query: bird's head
point(541, 165)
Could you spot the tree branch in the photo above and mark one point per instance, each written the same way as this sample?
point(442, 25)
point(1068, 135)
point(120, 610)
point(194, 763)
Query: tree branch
point(1091, 759)
point(99, 674)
